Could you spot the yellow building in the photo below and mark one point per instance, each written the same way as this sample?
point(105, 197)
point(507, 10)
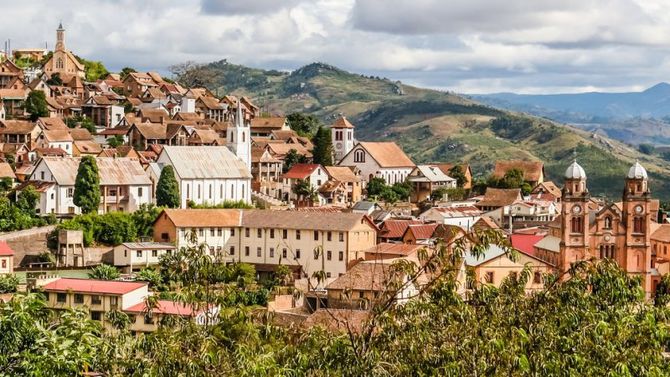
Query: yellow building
point(307, 241)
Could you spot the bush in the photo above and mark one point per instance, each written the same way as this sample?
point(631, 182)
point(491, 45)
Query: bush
point(8, 283)
point(104, 272)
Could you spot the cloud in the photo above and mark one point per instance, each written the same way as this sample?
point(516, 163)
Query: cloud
point(231, 7)
point(462, 45)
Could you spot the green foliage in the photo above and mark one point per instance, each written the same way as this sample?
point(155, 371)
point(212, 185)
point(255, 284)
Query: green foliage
point(292, 158)
point(304, 124)
point(104, 272)
point(232, 76)
point(55, 80)
point(304, 190)
point(14, 218)
point(152, 276)
point(646, 148)
point(375, 186)
point(512, 127)
point(125, 71)
point(81, 121)
point(457, 193)
point(402, 189)
point(512, 179)
point(87, 186)
point(115, 141)
point(6, 184)
point(144, 219)
point(8, 283)
point(457, 173)
point(25, 62)
point(27, 200)
point(323, 147)
point(36, 105)
point(167, 190)
point(94, 70)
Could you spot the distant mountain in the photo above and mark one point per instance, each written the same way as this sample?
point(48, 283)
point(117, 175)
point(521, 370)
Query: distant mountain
point(634, 117)
point(438, 126)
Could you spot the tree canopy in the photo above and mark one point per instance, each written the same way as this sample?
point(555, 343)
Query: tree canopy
point(87, 185)
point(36, 105)
point(323, 147)
point(167, 190)
point(303, 124)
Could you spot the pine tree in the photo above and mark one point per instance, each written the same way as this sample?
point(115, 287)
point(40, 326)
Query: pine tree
point(323, 147)
point(87, 185)
point(167, 191)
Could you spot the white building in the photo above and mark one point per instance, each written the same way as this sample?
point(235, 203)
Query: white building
point(342, 134)
point(238, 137)
point(315, 174)
point(207, 175)
point(56, 138)
point(124, 186)
point(133, 256)
point(379, 159)
point(462, 216)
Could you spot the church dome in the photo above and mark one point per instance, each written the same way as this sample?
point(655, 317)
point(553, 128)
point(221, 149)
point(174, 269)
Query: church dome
point(575, 171)
point(637, 171)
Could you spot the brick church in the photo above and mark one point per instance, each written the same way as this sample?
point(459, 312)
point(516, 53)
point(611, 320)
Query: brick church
point(619, 231)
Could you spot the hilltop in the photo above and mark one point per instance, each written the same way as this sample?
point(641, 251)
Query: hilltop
point(633, 117)
point(436, 126)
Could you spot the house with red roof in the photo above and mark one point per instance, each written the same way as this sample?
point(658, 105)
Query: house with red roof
point(419, 234)
point(315, 174)
point(6, 259)
point(144, 319)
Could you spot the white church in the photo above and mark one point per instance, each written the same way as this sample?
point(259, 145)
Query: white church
point(212, 175)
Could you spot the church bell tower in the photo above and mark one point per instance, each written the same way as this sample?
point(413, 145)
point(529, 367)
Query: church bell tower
point(574, 218)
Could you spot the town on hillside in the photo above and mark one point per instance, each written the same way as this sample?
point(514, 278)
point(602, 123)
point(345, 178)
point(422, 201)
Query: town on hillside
point(106, 182)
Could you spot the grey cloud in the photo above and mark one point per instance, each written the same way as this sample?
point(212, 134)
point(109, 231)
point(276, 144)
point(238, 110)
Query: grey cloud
point(232, 7)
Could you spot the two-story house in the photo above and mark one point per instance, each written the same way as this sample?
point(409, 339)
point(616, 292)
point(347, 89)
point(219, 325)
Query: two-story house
point(381, 160)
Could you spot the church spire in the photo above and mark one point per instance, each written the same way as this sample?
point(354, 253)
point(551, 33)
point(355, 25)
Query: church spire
point(60, 38)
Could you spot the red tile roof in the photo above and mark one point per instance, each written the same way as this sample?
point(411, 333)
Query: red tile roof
point(342, 122)
point(165, 307)
point(301, 171)
point(525, 242)
point(422, 231)
point(395, 228)
point(93, 286)
point(5, 250)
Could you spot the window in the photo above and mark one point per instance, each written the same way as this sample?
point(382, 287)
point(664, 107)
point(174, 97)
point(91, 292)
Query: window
point(211, 250)
point(284, 253)
point(359, 156)
point(96, 300)
point(316, 235)
point(246, 232)
point(78, 298)
point(330, 236)
point(211, 232)
point(139, 253)
point(165, 236)
point(607, 252)
point(576, 225)
point(284, 234)
point(232, 232)
point(329, 255)
point(341, 256)
point(537, 277)
point(259, 233)
point(61, 297)
point(201, 232)
point(96, 316)
point(297, 234)
point(70, 192)
point(232, 250)
point(297, 253)
point(113, 301)
point(341, 236)
point(489, 277)
point(272, 233)
point(139, 191)
point(272, 252)
point(4, 263)
point(125, 253)
point(638, 225)
point(246, 251)
point(328, 274)
point(338, 135)
point(219, 232)
point(258, 252)
point(42, 175)
point(148, 319)
point(154, 253)
point(210, 191)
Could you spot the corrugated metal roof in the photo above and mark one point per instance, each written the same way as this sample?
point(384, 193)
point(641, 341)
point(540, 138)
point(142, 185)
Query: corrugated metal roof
point(204, 162)
point(494, 251)
point(112, 171)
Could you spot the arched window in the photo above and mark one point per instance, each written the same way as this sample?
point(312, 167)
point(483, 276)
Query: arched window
point(359, 156)
point(638, 225)
point(244, 137)
point(608, 222)
point(576, 225)
point(59, 63)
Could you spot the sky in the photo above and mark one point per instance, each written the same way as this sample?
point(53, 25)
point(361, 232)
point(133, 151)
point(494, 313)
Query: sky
point(466, 46)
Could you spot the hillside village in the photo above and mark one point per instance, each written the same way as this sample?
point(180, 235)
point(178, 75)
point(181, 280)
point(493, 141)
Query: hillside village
point(326, 213)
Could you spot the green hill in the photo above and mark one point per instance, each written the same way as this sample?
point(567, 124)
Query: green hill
point(434, 126)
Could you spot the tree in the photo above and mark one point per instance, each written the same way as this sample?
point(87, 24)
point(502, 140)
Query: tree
point(87, 185)
point(303, 189)
point(8, 283)
point(458, 174)
point(81, 121)
point(27, 200)
point(125, 71)
point(376, 186)
point(292, 158)
point(55, 80)
point(513, 178)
point(323, 147)
point(152, 276)
point(144, 219)
point(167, 190)
point(36, 105)
point(6, 184)
point(94, 70)
point(646, 148)
point(115, 141)
point(104, 272)
point(192, 74)
point(303, 124)
point(402, 189)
